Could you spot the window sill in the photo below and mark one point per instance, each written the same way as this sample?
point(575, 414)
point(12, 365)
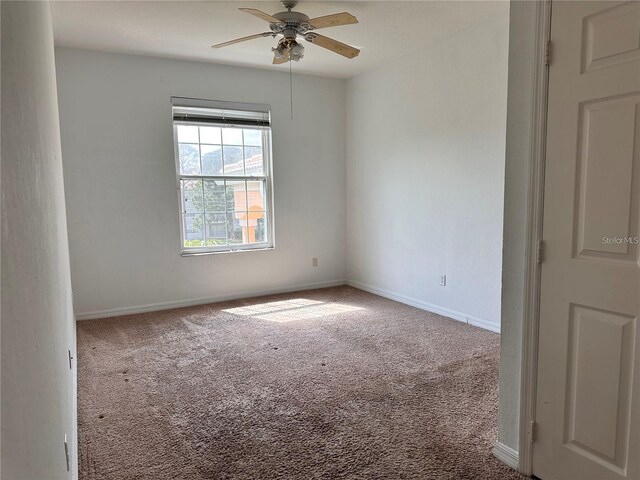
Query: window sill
point(219, 252)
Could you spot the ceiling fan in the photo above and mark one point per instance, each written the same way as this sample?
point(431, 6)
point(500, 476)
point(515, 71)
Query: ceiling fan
point(291, 24)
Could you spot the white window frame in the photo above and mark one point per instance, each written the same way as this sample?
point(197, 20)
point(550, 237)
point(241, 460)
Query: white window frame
point(267, 176)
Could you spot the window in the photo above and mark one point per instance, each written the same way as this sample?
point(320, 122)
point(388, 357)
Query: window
point(223, 165)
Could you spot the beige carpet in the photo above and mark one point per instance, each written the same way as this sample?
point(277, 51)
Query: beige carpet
point(325, 384)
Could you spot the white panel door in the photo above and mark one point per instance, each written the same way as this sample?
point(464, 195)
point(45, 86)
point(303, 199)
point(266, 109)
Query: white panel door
point(588, 393)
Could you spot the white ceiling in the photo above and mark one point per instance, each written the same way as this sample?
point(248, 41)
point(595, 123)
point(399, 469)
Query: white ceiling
point(187, 29)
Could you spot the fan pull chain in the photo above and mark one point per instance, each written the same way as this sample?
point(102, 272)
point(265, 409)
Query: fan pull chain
point(291, 87)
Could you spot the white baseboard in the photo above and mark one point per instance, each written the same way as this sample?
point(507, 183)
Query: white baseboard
point(505, 454)
point(154, 307)
point(430, 307)
point(482, 323)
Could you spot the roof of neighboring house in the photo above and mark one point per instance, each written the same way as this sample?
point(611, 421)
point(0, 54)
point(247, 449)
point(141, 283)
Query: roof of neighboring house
point(252, 163)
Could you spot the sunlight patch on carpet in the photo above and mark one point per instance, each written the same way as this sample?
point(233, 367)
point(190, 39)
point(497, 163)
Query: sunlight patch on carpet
point(292, 310)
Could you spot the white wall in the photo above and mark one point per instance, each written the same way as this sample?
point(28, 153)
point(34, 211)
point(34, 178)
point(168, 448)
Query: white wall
point(120, 181)
point(38, 398)
point(518, 147)
point(425, 167)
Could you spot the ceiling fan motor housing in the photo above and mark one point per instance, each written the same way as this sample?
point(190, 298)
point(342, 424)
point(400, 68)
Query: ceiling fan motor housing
point(293, 23)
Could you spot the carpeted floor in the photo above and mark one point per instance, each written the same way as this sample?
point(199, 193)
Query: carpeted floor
point(326, 384)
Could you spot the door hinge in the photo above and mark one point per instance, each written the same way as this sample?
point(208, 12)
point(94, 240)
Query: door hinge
point(532, 431)
point(540, 251)
point(66, 453)
point(547, 53)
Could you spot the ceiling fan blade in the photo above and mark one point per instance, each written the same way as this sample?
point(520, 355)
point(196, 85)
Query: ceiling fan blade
point(333, 45)
point(243, 39)
point(285, 59)
point(264, 16)
point(334, 20)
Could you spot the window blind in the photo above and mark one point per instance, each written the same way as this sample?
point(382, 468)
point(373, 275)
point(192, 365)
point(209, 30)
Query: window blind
point(221, 113)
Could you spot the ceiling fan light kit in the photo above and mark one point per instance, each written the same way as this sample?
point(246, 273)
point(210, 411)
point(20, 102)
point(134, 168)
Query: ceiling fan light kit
point(290, 25)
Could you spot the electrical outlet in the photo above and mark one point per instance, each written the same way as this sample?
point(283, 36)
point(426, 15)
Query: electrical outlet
point(443, 280)
point(314, 262)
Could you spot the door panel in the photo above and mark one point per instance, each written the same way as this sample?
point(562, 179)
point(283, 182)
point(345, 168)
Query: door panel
point(597, 420)
point(607, 140)
point(588, 390)
point(611, 36)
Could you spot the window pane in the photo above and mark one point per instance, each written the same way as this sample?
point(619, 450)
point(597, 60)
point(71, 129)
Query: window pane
point(192, 200)
point(235, 223)
point(210, 135)
point(232, 136)
point(252, 137)
point(189, 159)
point(233, 161)
point(255, 195)
point(253, 161)
point(193, 230)
point(211, 159)
point(236, 195)
point(257, 231)
point(215, 229)
point(214, 198)
point(187, 133)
